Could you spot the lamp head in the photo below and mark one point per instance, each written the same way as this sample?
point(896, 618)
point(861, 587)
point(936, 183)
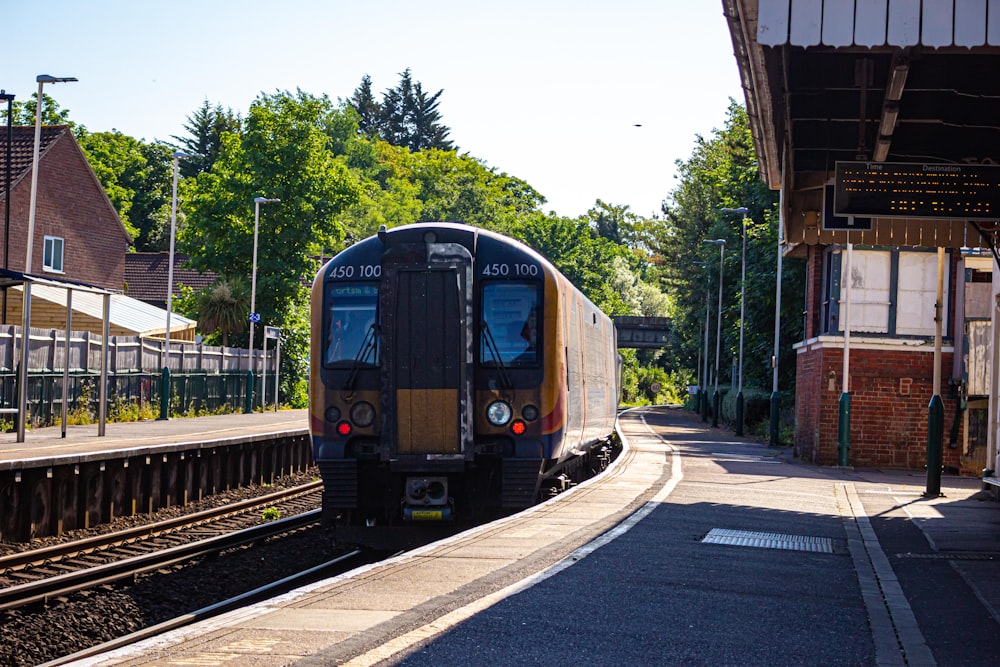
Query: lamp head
point(48, 78)
point(716, 241)
point(742, 209)
point(181, 155)
point(6, 97)
point(264, 200)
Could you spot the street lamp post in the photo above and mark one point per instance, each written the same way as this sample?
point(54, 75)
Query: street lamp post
point(703, 371)
point(253, 297)
point(22, 388)
point(9, 99)
point(165, 377)
point(718, 330)
point(743, 282)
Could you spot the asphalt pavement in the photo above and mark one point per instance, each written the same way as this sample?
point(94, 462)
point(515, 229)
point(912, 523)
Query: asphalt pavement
point(811, 566)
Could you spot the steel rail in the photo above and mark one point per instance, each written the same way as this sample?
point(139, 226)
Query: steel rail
point(262, 592)
point(44, 590)
point(56, 552)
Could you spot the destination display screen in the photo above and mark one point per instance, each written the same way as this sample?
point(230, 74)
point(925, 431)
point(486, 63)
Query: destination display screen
point(916, 190)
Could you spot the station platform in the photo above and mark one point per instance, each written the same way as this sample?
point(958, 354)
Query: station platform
point(47, 446)
point(694, 548)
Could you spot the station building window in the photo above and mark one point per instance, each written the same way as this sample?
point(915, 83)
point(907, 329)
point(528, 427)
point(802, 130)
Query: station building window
point(893, 291)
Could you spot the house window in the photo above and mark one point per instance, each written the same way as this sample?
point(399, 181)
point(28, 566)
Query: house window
point(893, 291)
point(52, 259)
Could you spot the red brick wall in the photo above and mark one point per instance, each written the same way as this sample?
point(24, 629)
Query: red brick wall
point(890, 391)
point(70, 205)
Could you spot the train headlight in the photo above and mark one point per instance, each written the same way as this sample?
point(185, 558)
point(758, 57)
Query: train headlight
point(498, 413)
point(363, 414)
point(530, 413)
point(332, 414)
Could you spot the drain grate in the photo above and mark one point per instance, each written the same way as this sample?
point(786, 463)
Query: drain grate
point(744, 538)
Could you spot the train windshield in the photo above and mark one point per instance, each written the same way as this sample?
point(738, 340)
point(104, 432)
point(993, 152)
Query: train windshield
point(510, 317)
point(351, 324)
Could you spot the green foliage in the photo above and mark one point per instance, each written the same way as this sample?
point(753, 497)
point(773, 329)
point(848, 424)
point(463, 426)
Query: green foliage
point(284, 153)
point(270, 514)
point(122, 410)
point(205, 128)
point(407, 116)
point(722, 172)
point(137, 178)
point(223, 308)
point(23, 112)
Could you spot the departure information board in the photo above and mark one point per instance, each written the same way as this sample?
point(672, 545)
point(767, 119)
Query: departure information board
point(915, 190)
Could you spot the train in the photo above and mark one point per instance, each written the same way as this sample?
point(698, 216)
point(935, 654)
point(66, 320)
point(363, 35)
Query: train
point(455, 375)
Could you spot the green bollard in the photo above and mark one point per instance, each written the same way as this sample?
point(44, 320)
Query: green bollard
point(248, 403)
point(844, 430)
point(935, 453)
point(739, 413)
point(165, 394)
point(716, 401)
point(775, 409)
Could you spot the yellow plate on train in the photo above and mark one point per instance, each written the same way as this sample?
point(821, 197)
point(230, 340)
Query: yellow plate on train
point(426, 515)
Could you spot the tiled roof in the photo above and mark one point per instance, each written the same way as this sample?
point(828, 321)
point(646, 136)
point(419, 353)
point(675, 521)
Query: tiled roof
point(146, 276)
point(22, 146)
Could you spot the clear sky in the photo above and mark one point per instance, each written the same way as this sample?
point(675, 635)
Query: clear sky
point(549, 91)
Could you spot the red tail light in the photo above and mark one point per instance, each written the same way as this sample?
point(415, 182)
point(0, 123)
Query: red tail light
point(517, 427)
point(343, 428)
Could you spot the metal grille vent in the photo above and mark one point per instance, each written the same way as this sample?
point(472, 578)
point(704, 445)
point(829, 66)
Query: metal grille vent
point(743, 538)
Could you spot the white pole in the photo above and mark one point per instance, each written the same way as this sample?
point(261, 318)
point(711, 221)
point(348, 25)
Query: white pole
point(277, 365)
point(845, 285)
point(263, 372)
point(253, 277)
point(170, 259)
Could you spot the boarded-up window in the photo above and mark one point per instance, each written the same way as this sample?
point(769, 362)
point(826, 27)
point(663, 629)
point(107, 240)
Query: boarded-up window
point(917, 293)
point(869, 281)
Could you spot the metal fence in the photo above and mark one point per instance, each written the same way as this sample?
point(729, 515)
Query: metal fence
point(203, 378)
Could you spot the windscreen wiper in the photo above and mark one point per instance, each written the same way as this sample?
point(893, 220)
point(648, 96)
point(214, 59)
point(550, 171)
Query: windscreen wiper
point(364, 351)
point(491, 345)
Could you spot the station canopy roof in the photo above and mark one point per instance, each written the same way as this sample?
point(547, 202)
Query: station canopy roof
point(869, 81)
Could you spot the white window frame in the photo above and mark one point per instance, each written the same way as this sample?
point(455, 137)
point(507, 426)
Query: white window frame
point(50, 261)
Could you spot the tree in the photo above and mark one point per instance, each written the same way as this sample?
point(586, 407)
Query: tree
point(222, 308)
point(23, 113)
point(284, 152)
point(722, 172)
point(368, 109)
point(407, 116)
point(205, 129)
point(136, 178)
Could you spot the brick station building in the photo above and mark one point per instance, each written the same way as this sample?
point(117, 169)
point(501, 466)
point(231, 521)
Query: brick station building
point(879, 84)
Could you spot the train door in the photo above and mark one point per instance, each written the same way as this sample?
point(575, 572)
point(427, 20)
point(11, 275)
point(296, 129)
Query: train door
point(427, 292)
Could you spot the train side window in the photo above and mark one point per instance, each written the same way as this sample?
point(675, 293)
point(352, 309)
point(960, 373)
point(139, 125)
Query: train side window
point(350, 331)
point(510, 312)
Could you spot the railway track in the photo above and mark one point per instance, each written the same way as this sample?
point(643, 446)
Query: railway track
point(41, 575)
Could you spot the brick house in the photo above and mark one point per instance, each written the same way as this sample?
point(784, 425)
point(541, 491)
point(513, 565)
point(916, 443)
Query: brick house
point(78, 237)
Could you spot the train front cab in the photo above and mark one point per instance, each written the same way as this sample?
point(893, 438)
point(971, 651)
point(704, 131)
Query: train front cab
point(449, 377)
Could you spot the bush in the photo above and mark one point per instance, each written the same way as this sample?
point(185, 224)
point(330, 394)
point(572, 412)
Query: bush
point(756, 407)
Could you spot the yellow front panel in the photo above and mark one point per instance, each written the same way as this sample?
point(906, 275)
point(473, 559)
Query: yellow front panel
point(427, 421)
